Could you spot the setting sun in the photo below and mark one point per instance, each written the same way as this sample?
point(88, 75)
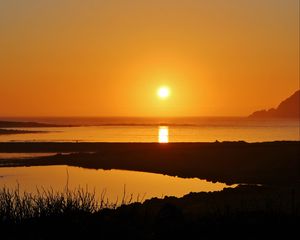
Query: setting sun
point(182, 114)
point(163, 92)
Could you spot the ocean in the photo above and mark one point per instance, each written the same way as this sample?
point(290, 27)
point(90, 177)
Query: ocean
point(192, 129)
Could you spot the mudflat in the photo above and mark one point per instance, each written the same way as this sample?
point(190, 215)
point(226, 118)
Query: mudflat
point(267, 163)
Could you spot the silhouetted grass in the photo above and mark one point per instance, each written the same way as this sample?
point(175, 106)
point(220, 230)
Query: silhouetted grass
point(16, 206)
point(245, 212)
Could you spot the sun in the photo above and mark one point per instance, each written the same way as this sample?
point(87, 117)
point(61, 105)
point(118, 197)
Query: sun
point(163, 92)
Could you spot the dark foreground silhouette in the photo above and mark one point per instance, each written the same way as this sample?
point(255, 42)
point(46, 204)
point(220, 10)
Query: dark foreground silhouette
point(246, 212)
point(270, 211)
point(272, 163)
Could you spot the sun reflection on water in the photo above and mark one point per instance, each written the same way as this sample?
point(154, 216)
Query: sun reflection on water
point(163, 134)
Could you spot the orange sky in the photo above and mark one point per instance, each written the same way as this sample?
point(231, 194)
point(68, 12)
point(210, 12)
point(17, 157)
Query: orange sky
point(107, 58)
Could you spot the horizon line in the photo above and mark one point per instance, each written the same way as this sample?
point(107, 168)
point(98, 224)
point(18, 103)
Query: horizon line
point(117, 116)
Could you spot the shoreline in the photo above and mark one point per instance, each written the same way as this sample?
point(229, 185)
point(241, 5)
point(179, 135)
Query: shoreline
point(270, 210)
point(268, 163)
point(267, 211)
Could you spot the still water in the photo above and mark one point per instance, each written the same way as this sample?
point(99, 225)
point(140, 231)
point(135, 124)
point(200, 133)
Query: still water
point(253, 132)
point(141, 185)
point(144, 185)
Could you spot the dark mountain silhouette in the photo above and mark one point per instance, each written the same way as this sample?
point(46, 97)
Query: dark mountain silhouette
point(289, 108)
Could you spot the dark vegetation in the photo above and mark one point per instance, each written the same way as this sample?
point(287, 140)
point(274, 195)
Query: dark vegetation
point(246, 212)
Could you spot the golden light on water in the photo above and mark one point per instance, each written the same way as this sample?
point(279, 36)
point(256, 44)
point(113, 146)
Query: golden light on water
point(163, 134)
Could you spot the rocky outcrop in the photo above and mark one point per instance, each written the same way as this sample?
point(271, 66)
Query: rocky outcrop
point(289, 108)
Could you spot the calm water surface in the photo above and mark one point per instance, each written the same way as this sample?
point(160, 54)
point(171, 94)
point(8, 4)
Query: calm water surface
point(160, 130)
point(111, 182)
point(135, 130)
point(160, 134)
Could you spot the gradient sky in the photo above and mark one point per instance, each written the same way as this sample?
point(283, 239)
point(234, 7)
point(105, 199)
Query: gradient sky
point(107, 58)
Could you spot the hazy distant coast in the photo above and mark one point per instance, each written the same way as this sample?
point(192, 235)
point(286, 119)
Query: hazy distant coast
point(275, 163)
point(12, 127)
point(14, 131)
point(22, 124)
point(200, 121)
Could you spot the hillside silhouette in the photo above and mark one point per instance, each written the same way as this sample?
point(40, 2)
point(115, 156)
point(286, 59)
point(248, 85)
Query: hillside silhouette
point(289, 108)
point(13, 124)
